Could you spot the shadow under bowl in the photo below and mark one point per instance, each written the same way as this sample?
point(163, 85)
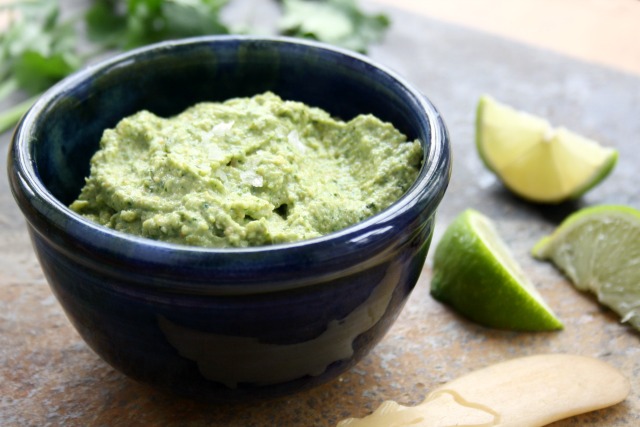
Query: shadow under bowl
point(224, 324)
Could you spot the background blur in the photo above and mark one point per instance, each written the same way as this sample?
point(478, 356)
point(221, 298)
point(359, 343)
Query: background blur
point(601, 31)
point(606, 32)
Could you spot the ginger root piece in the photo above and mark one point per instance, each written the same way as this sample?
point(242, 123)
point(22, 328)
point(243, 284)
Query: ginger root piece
point(524, 392)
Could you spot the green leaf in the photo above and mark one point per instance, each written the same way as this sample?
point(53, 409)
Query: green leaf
point(105, 25)
point(9, 117)
point(35, 71)
point(36, 49)
point(185, 18)
point(7, 87)
point(130, 23)
point(338, 22)
point(145, 23)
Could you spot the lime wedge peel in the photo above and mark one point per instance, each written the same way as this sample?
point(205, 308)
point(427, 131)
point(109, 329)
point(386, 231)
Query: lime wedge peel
point(534, 160)
point(598, 249)
point(475, 273)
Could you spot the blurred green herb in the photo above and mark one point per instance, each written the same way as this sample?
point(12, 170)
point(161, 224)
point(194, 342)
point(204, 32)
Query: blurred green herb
point(339, 22)
point(125, 24)
point(38, 48)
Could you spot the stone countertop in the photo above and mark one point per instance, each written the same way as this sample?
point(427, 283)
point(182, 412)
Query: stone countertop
point(50, 377)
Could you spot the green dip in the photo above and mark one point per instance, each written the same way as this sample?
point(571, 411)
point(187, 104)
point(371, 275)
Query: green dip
point(246, 172)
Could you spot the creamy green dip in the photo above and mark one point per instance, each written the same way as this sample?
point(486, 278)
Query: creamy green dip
point(246, 172)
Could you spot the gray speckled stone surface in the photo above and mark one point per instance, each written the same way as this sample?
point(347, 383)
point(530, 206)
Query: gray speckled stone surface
point(50, 377)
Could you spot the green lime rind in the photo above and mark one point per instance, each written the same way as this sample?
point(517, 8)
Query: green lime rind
point(598, 177)
point(598, 250)
point(482, 102)
point(500, 128)
point(475, 274)
point(544, 247)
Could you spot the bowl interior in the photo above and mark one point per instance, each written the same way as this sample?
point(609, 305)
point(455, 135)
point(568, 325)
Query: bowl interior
point(168, 78)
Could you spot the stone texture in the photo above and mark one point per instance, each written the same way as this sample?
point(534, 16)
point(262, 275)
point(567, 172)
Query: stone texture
point(50, 377)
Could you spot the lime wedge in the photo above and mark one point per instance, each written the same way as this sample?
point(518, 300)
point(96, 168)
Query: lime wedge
point(535, 161)
point(475, 273)
point(598, 249)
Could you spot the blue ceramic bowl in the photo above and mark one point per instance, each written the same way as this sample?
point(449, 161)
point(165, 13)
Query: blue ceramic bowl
point(224, 324)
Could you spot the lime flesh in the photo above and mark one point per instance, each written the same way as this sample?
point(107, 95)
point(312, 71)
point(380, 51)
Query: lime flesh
point(598, 249)
point(475, 273)
point(534, 160)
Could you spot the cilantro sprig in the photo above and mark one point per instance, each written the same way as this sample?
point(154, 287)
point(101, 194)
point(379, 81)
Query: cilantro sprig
point(131, 23)
point(39, 48)
point(339, 22)
point(36, 50)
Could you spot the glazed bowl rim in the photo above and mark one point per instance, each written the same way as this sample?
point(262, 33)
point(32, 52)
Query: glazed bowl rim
point(429, 187)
